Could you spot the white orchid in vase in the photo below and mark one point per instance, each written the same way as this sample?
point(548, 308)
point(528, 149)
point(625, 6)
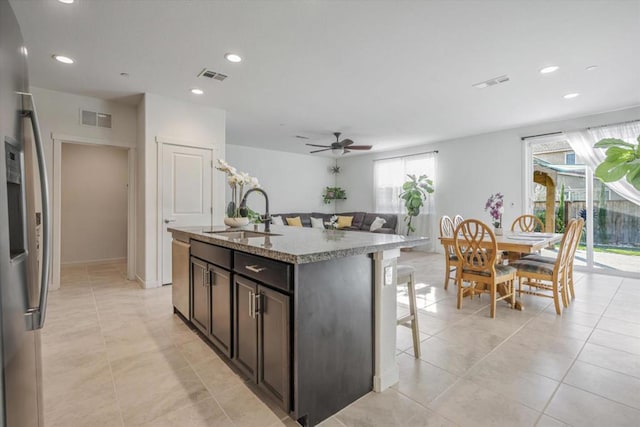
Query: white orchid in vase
point(237, 181)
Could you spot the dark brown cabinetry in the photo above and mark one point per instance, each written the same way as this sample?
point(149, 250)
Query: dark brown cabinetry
point(200, 313)
point(211, 294)
point(262, 316)
point(262, 337)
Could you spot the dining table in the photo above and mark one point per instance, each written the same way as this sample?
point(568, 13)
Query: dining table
point(516, 244)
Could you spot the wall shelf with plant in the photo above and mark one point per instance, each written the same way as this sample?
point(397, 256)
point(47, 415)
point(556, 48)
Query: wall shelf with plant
point(334, 193)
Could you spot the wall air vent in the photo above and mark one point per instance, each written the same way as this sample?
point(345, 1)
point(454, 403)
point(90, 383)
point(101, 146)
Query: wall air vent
point(210, 74)
point(492, 82)
point(92, 118)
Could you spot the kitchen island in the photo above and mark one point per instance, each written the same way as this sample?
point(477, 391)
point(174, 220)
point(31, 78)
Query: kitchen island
point(308, 315)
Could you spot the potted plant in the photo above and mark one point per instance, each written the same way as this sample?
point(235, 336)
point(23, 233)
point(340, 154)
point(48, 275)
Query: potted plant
point(495, 206)
point(414, 192)
point(237, 181)
point(334, 193)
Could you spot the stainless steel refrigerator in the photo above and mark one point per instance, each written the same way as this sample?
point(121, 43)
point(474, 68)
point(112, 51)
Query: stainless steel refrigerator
point(24, 234)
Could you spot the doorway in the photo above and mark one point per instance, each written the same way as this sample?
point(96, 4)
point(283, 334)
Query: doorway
point(561, 187)
point(86, 144)
point(93, 208)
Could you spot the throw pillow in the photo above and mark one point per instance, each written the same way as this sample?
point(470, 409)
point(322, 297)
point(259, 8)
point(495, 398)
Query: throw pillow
point(276, 220)
point(317, 223)
point(344, 221)
point(377, 223)
point(294, 222)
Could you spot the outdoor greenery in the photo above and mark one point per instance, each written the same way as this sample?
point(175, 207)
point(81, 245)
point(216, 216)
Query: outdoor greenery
point(560, 212)
point(415, 192)
point(623, 159)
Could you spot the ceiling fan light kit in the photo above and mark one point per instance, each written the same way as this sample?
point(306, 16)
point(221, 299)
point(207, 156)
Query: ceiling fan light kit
point(339, 147)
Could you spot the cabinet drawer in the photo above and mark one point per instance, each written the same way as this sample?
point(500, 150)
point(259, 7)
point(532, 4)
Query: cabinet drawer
point(211, 253)
point(274, 273)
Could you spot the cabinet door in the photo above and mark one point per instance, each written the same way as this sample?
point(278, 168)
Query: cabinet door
point(221, 308)
point(200, 314)
point(245, 331)
point(273, 344)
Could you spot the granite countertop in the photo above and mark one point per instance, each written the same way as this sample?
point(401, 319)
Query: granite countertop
point(298, 245)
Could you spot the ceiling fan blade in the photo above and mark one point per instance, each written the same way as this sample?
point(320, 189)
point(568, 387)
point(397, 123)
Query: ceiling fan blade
point(317, 151)
point(316, 145)
point(346, 142)
point(360, 147)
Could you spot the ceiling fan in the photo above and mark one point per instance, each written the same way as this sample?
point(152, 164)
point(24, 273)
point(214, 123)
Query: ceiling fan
point(340, 147)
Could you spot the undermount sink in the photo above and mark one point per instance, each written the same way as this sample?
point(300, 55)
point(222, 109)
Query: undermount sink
point(241, 234)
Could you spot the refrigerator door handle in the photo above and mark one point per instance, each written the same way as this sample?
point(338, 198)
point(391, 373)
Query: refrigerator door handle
point(35, 316)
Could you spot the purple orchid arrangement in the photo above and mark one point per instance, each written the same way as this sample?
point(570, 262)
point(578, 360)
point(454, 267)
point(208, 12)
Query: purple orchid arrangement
point(495, 206)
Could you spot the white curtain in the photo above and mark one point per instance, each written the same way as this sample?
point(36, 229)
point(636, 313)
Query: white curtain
point(388, 177)
point(582, 143)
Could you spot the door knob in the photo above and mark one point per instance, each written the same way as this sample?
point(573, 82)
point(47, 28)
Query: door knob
point(167, 221)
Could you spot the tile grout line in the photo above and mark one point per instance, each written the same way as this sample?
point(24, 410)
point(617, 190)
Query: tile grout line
point(113, 381)
point(575, 359)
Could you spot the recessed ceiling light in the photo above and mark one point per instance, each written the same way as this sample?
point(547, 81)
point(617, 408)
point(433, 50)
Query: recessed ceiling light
point(66, 1)
point(591, 67)
point(571, 95)
point(197, 91)
point(24, 51)
point(549, 69)
point(232, 57)
point(63, 59)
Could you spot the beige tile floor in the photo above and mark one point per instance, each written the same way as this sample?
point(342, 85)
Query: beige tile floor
point(115, 354)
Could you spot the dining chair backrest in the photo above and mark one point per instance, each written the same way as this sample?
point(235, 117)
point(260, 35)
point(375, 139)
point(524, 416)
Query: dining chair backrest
point(476, 247)
point(446, 230)
point(576, 238)
point(527, 223)
point(564, 252)
point(457, 220)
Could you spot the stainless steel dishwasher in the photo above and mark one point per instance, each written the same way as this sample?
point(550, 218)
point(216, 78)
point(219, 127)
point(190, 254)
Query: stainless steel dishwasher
point(180, 277)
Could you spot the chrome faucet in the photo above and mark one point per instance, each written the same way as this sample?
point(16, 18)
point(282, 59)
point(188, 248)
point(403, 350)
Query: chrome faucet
point(266, 218)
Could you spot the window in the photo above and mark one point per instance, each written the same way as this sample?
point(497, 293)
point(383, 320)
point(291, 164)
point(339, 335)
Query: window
point(390, 174)
point(570, 159)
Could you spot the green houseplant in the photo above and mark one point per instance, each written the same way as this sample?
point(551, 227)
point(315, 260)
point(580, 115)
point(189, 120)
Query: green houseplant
point(334, 193)
point(414, 192)
point(623, 159)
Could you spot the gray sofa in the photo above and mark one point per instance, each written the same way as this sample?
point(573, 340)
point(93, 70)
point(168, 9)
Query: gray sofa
point(361, 220)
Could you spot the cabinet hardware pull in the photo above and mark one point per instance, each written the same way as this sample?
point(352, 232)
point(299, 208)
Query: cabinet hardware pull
point(255, 268)
point(258, 304)
point(251, 305)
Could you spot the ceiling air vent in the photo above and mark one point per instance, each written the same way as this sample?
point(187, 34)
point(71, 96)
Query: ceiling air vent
point(210, 74)
point(92, 118)
point(492, 82)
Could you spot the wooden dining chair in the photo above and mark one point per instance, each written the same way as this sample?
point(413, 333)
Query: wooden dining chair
point(477, 250)
point(548, 279)
point(457, 220)
point(451, 260)
point(527, 223)
point(571, 258)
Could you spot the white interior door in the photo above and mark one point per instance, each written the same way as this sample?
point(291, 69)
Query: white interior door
point(186, 194)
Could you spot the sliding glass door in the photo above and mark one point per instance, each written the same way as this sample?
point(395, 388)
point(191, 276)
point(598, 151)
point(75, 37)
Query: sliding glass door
point(559, 187)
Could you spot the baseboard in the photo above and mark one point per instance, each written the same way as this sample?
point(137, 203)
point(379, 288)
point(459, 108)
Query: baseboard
point(387, 379)
point(147, 284)
point(96, 261)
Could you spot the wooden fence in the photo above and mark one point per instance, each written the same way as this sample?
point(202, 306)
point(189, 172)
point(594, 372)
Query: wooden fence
point(617, 223)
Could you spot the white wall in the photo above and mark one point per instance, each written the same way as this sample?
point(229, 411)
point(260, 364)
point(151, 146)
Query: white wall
point(294, 182)
point(470, 169)
point(93, 203)
point(182, 122)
